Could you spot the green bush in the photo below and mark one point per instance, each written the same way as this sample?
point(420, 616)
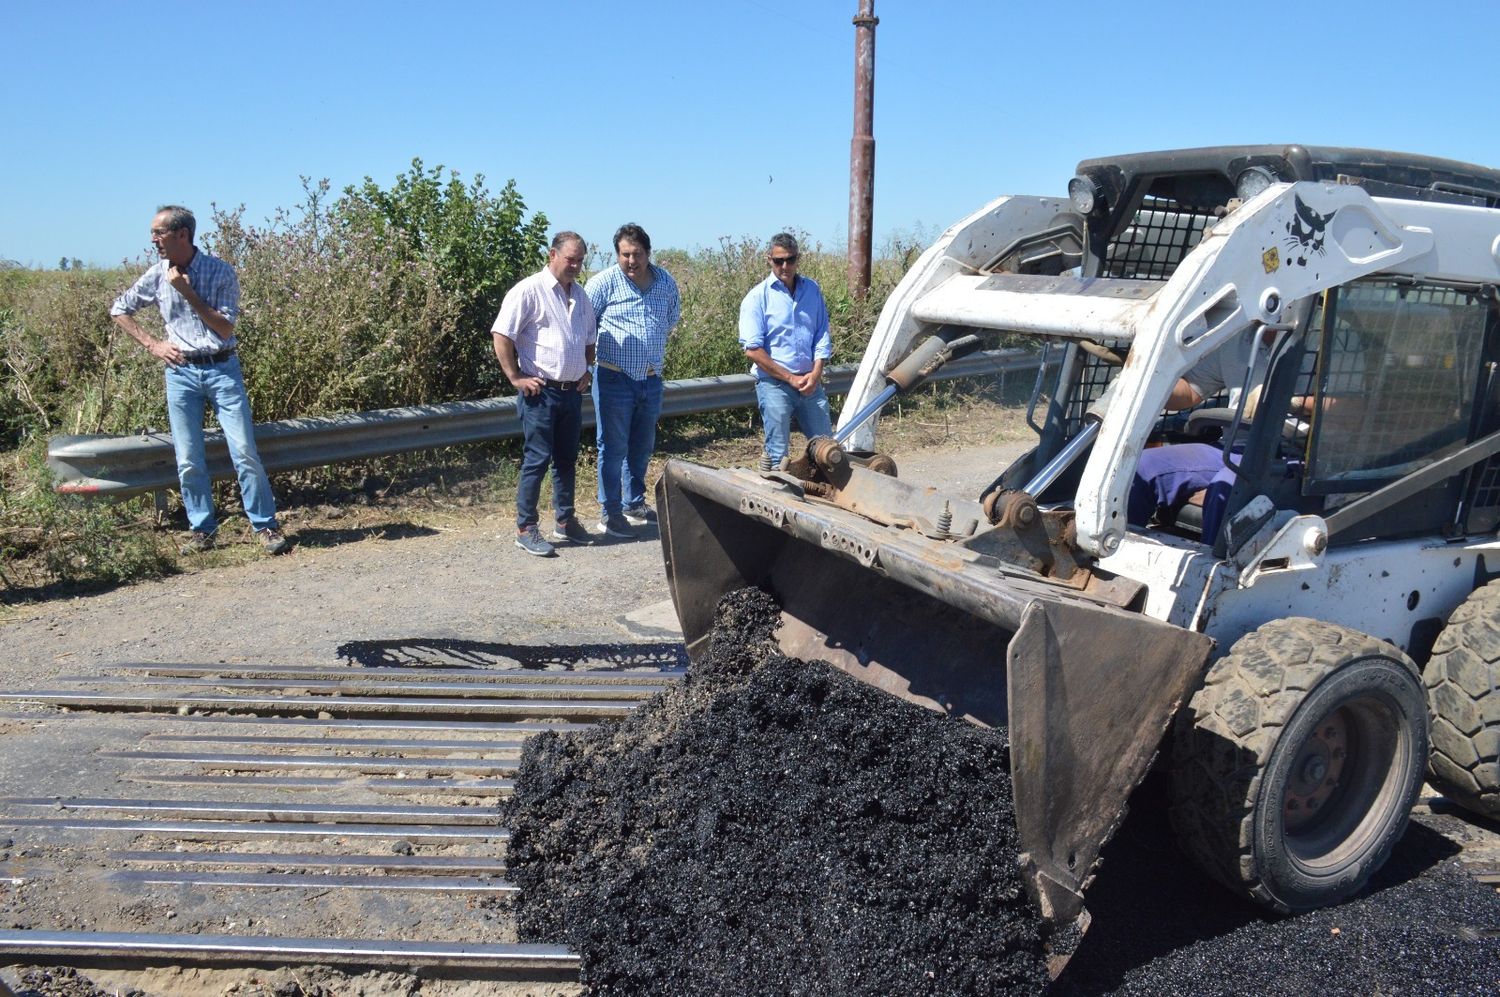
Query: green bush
point(477, 244)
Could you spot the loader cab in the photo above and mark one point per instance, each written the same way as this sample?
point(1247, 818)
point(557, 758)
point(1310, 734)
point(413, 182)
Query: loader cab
point(1386, 379)
point(1379, 380)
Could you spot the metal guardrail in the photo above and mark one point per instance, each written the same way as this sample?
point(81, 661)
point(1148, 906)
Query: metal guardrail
point(121, 466)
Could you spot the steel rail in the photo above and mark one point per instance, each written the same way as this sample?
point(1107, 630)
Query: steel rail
point(315, 881)
point(305, 723)
point(477, 675)
point(356, 687)
point(399, 787)
point(123, 949)
point(191, 829)
point(223, 810)
point(362, 763)
point(121, 466)
point(431, 864)
point(405, 745)
point(346, 705)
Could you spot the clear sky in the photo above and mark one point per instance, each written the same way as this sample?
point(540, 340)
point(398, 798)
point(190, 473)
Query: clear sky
point(699, 120)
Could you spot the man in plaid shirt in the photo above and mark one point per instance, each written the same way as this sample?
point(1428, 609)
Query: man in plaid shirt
point(637, 305)
point(198, 296)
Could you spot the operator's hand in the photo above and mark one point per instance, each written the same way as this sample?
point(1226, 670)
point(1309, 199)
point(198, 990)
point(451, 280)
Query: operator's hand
point(585, 381)
point(179, 280)
point(528, 385)
point(166, 352)
point(1252, 403)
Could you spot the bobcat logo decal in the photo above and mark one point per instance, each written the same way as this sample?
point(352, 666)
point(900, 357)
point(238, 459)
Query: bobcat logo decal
point(1305, 233)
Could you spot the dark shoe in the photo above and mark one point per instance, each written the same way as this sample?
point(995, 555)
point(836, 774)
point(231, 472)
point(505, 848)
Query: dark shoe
point(530, 540)
point(572, 531)
point(197, 542)
point(616, 526)
point(273, 540)
point(639, 515)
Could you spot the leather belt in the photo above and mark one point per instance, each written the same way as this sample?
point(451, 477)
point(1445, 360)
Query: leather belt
point(560, 385)
point(651, 370)
point(203, 359)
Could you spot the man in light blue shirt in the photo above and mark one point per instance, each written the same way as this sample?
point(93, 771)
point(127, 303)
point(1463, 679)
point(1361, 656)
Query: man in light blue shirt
point(198, 296)
point(784, 330)
point(637, 304)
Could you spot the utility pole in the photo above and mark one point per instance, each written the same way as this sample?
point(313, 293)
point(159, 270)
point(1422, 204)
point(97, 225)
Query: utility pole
point(862, 151)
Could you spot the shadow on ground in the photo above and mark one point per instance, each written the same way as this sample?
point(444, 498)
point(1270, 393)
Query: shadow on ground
point(315, 536)
point(419, 652)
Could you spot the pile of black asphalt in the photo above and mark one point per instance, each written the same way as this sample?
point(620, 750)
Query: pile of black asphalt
point(774, 826)
point(1422, 927)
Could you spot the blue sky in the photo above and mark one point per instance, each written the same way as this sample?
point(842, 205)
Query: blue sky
point(699, 120)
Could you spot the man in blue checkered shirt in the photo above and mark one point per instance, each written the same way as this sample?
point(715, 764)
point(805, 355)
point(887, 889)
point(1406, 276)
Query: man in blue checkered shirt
point(637, 304)
point(198, 296)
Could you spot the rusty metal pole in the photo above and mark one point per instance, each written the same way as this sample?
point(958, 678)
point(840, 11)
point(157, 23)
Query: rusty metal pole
point(862, 151)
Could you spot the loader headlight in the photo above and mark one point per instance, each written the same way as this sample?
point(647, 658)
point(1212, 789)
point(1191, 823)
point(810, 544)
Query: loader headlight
point(1252, 181)
point(1084, 194)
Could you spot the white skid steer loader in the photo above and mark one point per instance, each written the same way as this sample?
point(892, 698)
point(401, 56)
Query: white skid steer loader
point(1301, 662)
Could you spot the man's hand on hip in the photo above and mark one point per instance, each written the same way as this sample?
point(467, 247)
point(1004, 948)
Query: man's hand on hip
point(528, 385)
point(166, 352)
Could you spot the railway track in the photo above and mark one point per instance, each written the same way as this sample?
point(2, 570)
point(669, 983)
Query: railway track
point(268, 816)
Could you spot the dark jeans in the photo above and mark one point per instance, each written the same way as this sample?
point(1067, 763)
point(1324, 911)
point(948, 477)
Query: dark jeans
point(626, 410)
point(551, 422)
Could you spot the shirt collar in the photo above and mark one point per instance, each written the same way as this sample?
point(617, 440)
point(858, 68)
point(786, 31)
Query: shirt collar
point(550, 281)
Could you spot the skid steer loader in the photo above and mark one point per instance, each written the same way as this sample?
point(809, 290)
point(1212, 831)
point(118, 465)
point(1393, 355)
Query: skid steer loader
point(1275, 662)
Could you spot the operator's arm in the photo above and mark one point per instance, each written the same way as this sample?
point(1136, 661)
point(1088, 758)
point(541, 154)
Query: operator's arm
point(1183, 395)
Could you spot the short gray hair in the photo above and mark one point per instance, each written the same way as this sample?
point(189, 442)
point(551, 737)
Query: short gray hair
point(178, 217)
point(783, 240)
point(561, 239)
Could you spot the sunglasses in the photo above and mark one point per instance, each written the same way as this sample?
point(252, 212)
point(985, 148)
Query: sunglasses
point(781, 261)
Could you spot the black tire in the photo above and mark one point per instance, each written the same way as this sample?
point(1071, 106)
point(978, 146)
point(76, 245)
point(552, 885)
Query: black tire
point(1296, 765)
point(1463, 690)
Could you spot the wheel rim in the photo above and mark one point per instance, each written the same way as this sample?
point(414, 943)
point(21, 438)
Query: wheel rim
point(1341, 782)
point(1317, 772)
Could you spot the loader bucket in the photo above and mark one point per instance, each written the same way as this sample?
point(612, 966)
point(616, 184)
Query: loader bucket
point(1086, 690)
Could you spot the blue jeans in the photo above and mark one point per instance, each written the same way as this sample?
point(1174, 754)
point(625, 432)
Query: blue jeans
point(189, 388)
point(551, 422)
point(625, 411)
point(780, 401)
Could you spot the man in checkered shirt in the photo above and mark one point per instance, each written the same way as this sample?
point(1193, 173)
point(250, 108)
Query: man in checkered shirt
point(198, 296)
point(637, 305)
